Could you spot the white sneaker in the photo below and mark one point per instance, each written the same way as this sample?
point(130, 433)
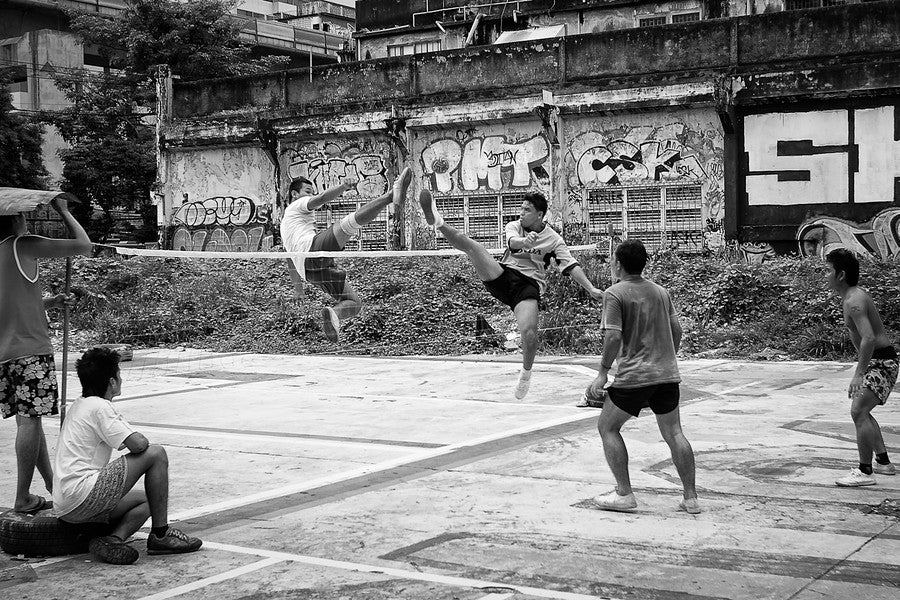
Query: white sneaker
point(613, 501)
point(331, 325)
point(887, 469)
point(690, 506)
point(402, 184)
point(522, 386)
point(429, 209)
point(856, 478)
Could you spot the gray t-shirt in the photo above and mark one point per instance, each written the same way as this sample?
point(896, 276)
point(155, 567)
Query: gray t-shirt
point(642, 310)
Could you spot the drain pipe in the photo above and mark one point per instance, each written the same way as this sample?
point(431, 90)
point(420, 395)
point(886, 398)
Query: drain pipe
point(472, 31)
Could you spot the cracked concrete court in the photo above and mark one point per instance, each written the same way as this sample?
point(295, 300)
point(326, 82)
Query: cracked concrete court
point(328, 477)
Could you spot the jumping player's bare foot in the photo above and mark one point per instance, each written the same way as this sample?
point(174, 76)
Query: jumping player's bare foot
point(429, 208)
point(402, 184)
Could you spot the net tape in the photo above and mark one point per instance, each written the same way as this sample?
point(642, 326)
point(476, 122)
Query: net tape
point(125, 251)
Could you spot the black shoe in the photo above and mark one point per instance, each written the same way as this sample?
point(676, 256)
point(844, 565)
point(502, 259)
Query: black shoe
point(174, 542)
point(112, 550)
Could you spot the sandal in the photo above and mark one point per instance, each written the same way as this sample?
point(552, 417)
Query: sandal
point(40, 504)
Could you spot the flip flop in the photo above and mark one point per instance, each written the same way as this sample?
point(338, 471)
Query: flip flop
point(41, 504)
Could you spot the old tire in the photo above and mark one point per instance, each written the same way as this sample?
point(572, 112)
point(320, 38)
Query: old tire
point(45, 535)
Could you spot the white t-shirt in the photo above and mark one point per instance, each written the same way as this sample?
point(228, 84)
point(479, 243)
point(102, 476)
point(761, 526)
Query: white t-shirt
point(92, 430)
point(549, 248)
point(298, 228)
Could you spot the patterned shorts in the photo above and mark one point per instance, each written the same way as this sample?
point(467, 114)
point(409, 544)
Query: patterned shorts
point(28, 387)
point(104, 496)
point(880, 377)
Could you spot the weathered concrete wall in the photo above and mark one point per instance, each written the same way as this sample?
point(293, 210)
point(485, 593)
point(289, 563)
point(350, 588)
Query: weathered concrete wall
point(326, 161)
point(832, 169)
point(715, 119)
point(615, 58)
point(220, 199)
point(678, 150)
point(493, 162)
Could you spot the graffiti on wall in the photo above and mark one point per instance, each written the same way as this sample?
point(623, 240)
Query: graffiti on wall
point(492, 162)
point(222, 224)
point(326, 164)
point(823, 157)
point(620, 162)
point(645, 156)
point(880, 237)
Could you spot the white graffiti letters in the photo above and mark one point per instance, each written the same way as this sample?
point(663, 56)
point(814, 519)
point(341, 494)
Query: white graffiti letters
point(220, 210)
point(326, 172)
point(822, 157)
point(622, 162)
point(491, 162)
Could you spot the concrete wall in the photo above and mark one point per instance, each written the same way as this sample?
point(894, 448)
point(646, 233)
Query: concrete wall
point(326, 161)
point(220, 199)
point(671, 159)
point(745, 130)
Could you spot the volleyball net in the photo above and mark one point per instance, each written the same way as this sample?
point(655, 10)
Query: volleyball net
point(425, 302)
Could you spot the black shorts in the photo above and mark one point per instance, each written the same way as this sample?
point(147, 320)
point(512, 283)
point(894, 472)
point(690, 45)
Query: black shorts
point(661, 398)
point(512, 287)
point(322, 272)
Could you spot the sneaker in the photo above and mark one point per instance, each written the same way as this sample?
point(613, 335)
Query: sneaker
point(401, 185)
point(331, 324)
point(690, 506)
point(112, 550)
point(856, 478)
point(174, 542)
point(887, 469)
point(429, 209)
point(613, 501)
point(522, 386)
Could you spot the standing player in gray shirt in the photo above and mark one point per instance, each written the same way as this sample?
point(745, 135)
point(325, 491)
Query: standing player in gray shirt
point(641, 329)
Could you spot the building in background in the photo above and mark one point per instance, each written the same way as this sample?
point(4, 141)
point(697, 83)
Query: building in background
point(398, 27)
point(36, 42)
point(774, 132)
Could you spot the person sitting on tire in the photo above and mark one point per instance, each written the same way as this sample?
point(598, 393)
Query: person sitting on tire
point(88, 488)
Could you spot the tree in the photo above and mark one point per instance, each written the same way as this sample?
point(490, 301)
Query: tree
point(111, 161)
point(20, 146)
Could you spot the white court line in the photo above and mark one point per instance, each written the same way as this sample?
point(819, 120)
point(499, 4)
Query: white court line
point(367, 470)
point(734, 389)
point(497, 597)
point(207, 581)
point(402, 573)
point(268, 437)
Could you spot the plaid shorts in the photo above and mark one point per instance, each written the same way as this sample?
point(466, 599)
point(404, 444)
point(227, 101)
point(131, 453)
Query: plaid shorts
point(28, 387)
point(104, 496)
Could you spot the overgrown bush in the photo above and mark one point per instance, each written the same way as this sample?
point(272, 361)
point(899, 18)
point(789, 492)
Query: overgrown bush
point(780, 309)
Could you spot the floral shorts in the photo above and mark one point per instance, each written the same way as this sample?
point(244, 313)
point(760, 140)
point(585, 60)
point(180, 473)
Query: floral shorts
point(28, 387)
point(880, 377)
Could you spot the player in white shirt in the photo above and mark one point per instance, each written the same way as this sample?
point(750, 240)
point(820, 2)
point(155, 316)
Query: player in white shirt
point(520, 276)
point(88, 488)
point(298, 234)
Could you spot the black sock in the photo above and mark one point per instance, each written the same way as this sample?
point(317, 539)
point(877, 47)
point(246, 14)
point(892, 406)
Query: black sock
point(161, 531)
point(882, 459)
point(867, 469)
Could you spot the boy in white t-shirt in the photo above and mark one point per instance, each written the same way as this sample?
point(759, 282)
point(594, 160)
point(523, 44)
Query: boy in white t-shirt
point(298, 234)
point(88, 488)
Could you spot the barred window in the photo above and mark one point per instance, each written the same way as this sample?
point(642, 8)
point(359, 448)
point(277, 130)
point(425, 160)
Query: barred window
point(686, 17)
point(652, 21)
point(669, 216)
